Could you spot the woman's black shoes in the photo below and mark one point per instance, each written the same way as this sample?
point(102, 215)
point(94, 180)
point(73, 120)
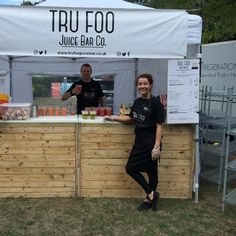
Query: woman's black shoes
point(155, 201)
point(145, 206)
point(152, 204)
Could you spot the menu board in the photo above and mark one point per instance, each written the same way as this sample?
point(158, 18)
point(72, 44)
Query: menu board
point(183, 91)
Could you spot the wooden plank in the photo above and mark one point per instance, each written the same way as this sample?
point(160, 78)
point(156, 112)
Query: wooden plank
point(131, 193)
point(53, 128)
point(177, 154)
point(172, 170)
point(106, 128)
point(124, 154)
point(107, 138)
point(37, 144)
point(25, 170)
point(103, 162)
point(5, 138)
point(119, 161)
point(105, 146)
point(110, 176)
point(39, 164)
point(97, 144)
point(129, 129)
point(39, 157)
point(123, 176)
point(37, 190)
point(38, 184)
point(173, 139)
point(37, 177)
point(130, 184)
point(37, 195)
point(178, 129)
point(29, 150)
point(97, 154)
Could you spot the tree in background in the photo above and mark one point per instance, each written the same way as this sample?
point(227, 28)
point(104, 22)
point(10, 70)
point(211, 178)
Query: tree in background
point(219, 18)
point(26, 3)
point(31, 3)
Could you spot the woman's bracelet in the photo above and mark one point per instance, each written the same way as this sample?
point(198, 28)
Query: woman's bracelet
point(157, 146)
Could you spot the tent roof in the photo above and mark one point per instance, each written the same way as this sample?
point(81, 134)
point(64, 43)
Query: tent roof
point(92, 3)
point(194, 21)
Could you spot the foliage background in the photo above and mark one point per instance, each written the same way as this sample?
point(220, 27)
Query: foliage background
point(219, 18)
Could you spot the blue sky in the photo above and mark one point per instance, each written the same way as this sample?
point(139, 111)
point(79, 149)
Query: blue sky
point(10, 2)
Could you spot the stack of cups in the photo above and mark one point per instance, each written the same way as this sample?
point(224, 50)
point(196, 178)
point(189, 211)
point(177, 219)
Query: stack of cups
point(108, 111)
point(52, 111)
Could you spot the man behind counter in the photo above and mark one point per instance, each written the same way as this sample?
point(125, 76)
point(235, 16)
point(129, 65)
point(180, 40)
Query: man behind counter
point(87, 91)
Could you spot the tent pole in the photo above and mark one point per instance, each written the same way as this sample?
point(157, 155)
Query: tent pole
point(197, 139)
point(135, 76)
point(10, 69)
point(196, 178)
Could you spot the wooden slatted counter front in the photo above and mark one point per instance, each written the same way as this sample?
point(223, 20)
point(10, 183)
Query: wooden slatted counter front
point(103, 152)
point(37, 160)
point(87, 159)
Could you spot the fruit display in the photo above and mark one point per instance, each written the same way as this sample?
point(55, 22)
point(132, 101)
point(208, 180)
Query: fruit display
point(15, 111)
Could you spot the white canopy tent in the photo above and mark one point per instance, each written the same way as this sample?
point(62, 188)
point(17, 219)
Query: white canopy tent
point(179, 37)
point(15, 44)
point(194, 25)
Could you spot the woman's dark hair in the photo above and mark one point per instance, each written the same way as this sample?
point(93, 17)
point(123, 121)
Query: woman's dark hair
point(148, 76)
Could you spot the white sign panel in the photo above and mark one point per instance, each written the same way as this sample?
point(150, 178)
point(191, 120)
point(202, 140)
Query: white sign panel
point(183, 91)
point(85, 32)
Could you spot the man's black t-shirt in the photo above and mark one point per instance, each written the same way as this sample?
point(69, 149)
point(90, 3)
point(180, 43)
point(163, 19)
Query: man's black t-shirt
point(89, 95)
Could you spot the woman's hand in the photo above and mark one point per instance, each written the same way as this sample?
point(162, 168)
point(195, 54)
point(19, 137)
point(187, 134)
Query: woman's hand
point(118, 118)
point(109, 118)
point(155, 152)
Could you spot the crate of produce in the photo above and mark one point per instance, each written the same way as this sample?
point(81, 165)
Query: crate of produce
point(15, 111)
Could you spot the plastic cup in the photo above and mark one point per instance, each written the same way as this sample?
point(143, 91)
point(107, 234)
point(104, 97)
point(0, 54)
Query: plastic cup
point(64, 111)
point(97, 111)
point(40, 112)
point(85, 114)
point(50, 111)
point(73, 109)
point(108, 111)
point(57, 111)
point(78, 88)
point(102, 111)
point(92, 115)
point(44, 111)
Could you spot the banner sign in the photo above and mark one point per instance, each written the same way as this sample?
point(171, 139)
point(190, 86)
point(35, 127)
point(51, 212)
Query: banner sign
point(183, 91)
point(91, 32)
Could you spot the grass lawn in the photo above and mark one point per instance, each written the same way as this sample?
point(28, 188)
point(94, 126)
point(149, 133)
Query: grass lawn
point(115, 216)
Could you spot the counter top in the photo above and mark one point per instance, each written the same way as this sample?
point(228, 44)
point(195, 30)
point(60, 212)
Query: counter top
point(58, 119)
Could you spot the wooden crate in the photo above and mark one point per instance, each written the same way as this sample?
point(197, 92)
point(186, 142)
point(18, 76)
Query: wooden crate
point(104, 150)
point(37, 160)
